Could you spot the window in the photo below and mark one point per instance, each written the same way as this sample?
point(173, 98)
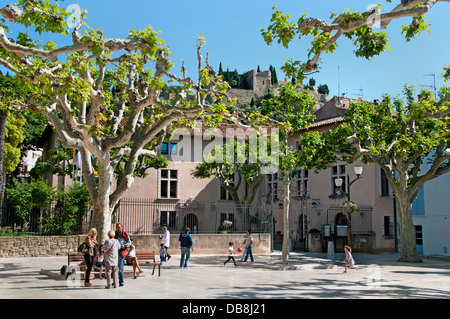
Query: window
point(418, 206)
point(387, 225)
point(302, 181)
point(338, 171)
point(384, 183)
point(272, 185)
point(168, 183)
point(419, 234)
point(168, 218)
point(169, 148)
point(224, 193)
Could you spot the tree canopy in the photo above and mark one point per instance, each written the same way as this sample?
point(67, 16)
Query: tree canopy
point(398, 134)
point(102, 95)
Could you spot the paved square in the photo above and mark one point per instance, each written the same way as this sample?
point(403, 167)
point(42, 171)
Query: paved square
point(307, 276)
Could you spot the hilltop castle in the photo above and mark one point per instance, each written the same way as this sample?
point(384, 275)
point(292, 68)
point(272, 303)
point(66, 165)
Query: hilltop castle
point(254, 85)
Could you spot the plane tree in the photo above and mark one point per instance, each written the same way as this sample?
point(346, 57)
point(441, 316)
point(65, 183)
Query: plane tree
point(357, 26)
point(407, 137)
point(234, 165)
point(404, 136)
point(103, 95)
point(292, 109)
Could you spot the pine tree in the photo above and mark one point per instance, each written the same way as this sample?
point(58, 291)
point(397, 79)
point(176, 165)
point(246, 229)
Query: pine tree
point(236, 79)
point(274, 76)
point(273, 72)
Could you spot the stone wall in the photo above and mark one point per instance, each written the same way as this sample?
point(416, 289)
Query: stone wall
point(34, 246)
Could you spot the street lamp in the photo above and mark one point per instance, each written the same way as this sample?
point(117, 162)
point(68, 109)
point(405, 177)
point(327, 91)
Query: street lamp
point(358, 170)
point(338, 182)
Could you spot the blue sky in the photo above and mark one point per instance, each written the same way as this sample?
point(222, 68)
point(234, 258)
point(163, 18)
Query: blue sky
point(233, 37)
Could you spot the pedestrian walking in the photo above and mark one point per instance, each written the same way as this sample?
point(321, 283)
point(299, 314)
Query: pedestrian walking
point(165, 239)
point(244, 251)
point(248, 246)
point(125, 243)
point(162, 254)
point(91, 244)
point(111, 259)
point(187, 246)
point(230, 254)
point(349, 261)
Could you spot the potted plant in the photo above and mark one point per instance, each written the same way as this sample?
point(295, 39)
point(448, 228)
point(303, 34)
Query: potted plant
point(349, 207)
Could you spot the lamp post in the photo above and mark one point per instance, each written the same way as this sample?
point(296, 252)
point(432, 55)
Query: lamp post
point(338, 182)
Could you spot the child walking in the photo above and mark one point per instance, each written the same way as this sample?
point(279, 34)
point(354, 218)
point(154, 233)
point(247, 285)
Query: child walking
point(100, 262)
point(349, 261)
point(162, 254)
point(230, 254)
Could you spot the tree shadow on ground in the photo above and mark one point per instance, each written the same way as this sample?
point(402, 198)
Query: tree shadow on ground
point(331, 288)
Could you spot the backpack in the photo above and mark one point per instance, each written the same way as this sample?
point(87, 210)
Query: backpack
point(63, 271)
point(83, 248)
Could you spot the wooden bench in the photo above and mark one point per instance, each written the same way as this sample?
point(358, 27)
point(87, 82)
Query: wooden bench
point(148, 259)
point(79, 259)
point(144, 259)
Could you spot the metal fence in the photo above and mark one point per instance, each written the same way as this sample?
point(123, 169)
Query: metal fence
point(143, 216)
point(147, 216)
point(52, 220)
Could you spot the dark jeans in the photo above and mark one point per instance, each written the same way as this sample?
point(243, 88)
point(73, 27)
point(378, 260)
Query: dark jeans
point(167, 248)
point(249, 253)
point(89, 263)
point(230, 258)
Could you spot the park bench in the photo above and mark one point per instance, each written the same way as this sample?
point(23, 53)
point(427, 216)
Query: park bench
point(79, 259)
point(144, 259)
point(148, 259)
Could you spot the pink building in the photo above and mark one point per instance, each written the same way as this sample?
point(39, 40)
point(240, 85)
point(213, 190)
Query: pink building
point(173, 197)
point(203, 204)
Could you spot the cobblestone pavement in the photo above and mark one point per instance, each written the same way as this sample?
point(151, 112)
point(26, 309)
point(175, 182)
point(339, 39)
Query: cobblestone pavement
point(307, 276)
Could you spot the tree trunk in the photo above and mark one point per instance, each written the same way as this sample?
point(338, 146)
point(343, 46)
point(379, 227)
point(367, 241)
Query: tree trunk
point(101, 220)
point(286, 202)
point(3, 117)
point(100, 195)
point(407, 236)
point(349, 229)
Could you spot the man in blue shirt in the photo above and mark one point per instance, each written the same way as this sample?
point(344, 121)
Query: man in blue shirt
point(125, 243)
point(186, 246)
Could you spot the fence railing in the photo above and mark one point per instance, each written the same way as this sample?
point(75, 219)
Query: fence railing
point(147, 216)
point(143, 216)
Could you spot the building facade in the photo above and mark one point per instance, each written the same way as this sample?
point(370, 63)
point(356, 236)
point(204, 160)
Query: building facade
point(173, 197)
point(314, 206)
point(431, 217)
